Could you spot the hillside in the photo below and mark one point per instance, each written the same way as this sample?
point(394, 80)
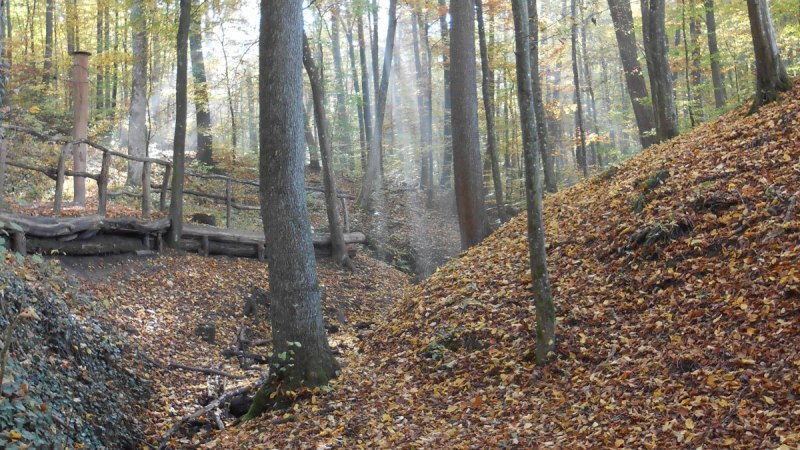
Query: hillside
point(677, 279)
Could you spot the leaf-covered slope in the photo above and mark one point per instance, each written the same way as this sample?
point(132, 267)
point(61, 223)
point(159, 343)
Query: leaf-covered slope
point(70, 381)
point(677, 281)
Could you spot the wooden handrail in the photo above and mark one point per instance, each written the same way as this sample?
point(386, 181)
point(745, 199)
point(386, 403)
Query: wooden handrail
point(102, 178)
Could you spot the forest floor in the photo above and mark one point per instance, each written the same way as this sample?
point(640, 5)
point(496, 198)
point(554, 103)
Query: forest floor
point(677, 283)
point(159, 303)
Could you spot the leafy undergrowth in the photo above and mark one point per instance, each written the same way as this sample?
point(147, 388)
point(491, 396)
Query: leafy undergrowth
point(71, 381)
point(677, 280)
point(160, 302)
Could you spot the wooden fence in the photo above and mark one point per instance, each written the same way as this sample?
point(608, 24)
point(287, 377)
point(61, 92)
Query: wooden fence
point(59, 173)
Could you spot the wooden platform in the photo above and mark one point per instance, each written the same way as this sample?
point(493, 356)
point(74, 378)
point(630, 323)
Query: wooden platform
point(97, 235)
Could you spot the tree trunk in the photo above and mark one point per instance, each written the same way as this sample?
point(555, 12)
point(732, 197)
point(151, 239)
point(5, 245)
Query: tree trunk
point(686, 64)
point(597, 159)
point(655, 47)
point(341, 133)
point(362, 137)
point(424, 102)
point(545, 150)
point(488, 97)
point(48, 42)
point(373, 176)
point(252, 125)
point(447, 159)
point(771, 76)
point(466, 143)
point(338, 248)
point(179, 142)
point(202, 111)
point(543, 297)
point(580, 135)
point(311, 142)
point(362, 54)
point(622, 17)
point(697, 69)
point(300, 352)
point(99, 78)
point(376, 79)
point(229, 91)
point(137, 120)
point(713, 51)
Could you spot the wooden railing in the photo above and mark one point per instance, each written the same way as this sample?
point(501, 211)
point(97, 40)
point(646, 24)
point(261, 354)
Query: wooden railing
point(59, 173)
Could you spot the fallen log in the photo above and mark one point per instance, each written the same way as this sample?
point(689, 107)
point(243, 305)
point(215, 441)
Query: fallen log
point(205, 370)
point(227, 395)
point(101, 244)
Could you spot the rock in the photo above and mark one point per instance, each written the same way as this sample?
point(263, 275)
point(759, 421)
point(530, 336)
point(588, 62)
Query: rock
point(204, 219)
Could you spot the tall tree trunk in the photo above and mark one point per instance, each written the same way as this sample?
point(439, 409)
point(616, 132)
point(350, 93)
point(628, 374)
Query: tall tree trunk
point(365, 101)
point(545, 150)
point(467, 174)
point(428, 128)
point(580, 135)
point(655, 47)
point(540, 281)
point(202, 111)
point(311, 141)
point(488, 96)
point(597, 159)
point(373, 176)
point(48, 42)
point(114, 68)
point(713, 51)
point(106, 71)
point(697, 69)
point(686, 63)
point(362, 137)
point(229, 91)
point(447, 159)
point(300, 352)
point(338, 247)
point(99, 78)
point(179, 142)
point(137, 120)
point(419, 29)
point(341, 134)
point(376, 79)
point(771, 76)
point(622, 17)
point(252, 124)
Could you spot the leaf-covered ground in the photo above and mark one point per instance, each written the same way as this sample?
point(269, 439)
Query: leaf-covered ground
point(159, 302)
point(70, 380)
point(677, 280)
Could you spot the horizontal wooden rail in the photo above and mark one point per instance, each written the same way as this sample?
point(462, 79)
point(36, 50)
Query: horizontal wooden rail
point(103, 177)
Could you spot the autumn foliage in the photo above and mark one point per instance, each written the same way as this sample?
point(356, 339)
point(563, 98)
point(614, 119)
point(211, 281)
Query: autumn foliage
point(677, 280)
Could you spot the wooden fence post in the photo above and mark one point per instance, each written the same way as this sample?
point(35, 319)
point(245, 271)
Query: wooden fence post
point(19, 243)
point(102, 185)
point(62, 167)
point(228, 200)
point(146, 189)
point(80, 131)
point(162, 201)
